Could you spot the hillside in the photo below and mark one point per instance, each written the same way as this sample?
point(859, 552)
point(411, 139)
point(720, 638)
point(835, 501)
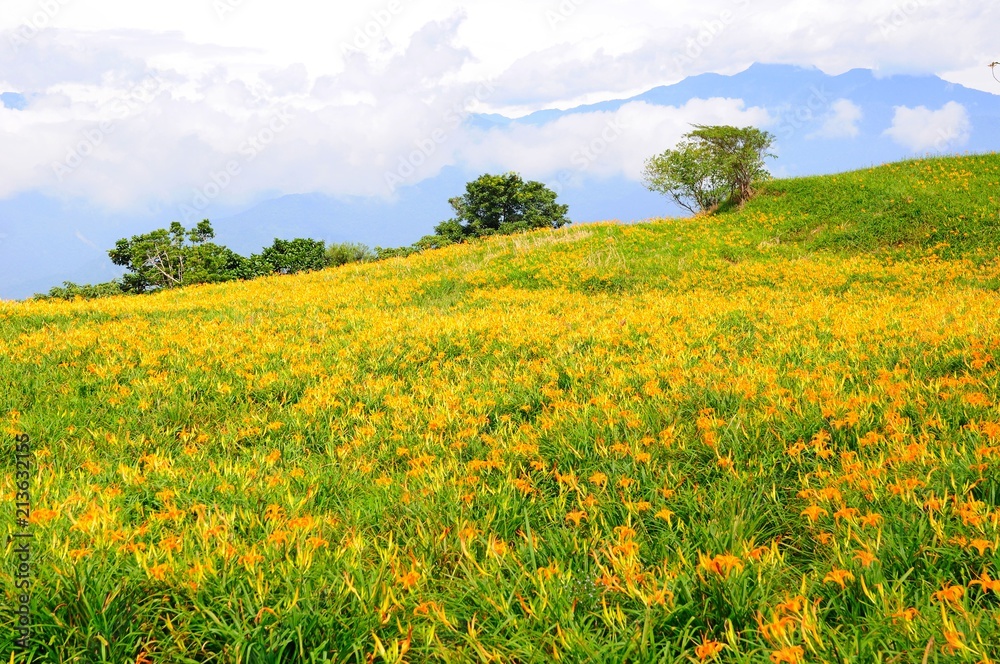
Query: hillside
point(949, 206)
point(772, 434)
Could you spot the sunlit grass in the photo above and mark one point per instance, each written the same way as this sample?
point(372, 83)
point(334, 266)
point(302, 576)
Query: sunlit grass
point(733, 438)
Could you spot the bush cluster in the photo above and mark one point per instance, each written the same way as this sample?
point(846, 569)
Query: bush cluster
point(176, 256)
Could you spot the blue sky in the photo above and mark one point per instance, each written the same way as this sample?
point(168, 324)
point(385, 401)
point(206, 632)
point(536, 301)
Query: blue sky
point(181, 109)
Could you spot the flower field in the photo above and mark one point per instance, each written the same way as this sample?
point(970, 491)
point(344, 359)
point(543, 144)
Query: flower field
point(677, 441)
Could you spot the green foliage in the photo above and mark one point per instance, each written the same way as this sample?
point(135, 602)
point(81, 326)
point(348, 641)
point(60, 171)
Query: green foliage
point(739, 155)
point(498, 205)
point(687, 175)
point(348, 252)
point(382, 253)
point(173, 257)
point(213, 263)
point(71, 291)
point(711, 166)
point(253, 267)
point(298, 255)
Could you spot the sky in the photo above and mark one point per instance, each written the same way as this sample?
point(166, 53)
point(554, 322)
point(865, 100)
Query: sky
point(179, 106)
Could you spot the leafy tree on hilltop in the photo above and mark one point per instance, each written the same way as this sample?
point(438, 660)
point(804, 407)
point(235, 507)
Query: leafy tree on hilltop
point(711, 166)
point(172, 257)
point(498, 205)
point(298, 255)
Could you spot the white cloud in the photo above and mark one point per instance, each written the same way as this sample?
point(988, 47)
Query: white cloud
point(841, 122)
point(222, 77)
point(921, 129)
point(601, 143)
point(143, 134)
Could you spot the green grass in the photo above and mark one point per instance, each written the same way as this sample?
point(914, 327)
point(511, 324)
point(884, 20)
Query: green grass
point(534, 447)
point(948, 205)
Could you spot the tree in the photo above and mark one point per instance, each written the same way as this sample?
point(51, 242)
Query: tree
point(172, 257)
point(688, 175)
point(498, 205)
point(298, 255)
point(712, 165)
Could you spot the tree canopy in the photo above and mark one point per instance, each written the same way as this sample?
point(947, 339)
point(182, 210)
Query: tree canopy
point(174, 256)
point(298, 255)
point(498, 205)
point(711, 166)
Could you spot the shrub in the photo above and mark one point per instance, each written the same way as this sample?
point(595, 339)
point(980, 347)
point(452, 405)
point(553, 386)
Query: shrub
point(348, 252)
point(70, 291)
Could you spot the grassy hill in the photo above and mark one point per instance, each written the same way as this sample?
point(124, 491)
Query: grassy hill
point(949, 206)
point(768, 435)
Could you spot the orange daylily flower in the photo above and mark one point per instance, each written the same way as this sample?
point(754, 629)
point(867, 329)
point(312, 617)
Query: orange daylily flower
point(814, 512)
point(839, 576)
point(865, 558)
point(871, 519)
point(789, 655)
point(775, 630)
point(409, 579)
point(793, 605)
point(986, 583)
point(576, 516)
point(954, 641)
point(949, 594)
point(721, 564)
point(981, 545)
point(708, 649)
point(158, 572)
point(845, 513)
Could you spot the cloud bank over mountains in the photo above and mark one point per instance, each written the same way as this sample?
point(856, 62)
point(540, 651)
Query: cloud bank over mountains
point(128, 116)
